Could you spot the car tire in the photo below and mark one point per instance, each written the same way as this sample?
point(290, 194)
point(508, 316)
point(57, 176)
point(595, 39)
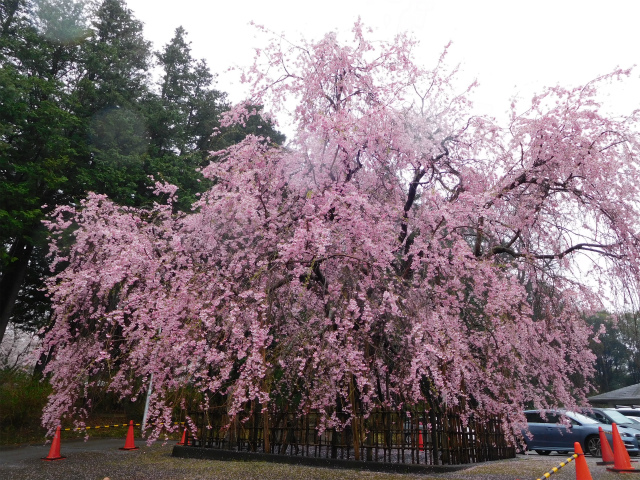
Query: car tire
point(563, 452)
point(592, 446)
point(543, 452)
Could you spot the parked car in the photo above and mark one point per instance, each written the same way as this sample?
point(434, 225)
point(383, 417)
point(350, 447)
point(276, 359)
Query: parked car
point(632, 411)
point(609, 416)
point(559, 430)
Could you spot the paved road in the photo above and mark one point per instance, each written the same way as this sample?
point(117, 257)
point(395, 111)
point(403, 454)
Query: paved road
point(98, 459)
point(15, 455)
point(94, 459)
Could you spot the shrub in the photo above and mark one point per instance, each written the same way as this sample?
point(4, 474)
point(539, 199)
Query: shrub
point(22, 397)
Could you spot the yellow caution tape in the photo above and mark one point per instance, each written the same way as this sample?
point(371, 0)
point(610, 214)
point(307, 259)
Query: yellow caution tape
point(115, 426)
point(562, 464)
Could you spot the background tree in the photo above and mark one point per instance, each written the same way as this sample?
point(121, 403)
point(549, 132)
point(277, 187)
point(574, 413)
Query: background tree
point(629, 326)
point(184, 120)
point(115, 81)
point(613, 355)
point(40, 47)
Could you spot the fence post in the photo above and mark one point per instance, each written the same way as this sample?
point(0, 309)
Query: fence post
point(267, 430)
point(434, 436)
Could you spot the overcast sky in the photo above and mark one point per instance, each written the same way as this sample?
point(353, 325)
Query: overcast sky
point(510, 46)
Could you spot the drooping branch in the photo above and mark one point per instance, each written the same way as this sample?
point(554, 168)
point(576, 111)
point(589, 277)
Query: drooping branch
point(590, 247)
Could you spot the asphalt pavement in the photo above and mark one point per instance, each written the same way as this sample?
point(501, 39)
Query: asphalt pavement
point(18, 455)
point(98, 459)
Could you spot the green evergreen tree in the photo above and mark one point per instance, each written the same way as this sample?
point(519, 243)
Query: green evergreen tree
point(629, 329)
point(612, 354)
point(38, 145)
point(116, 60)
point(182, 117)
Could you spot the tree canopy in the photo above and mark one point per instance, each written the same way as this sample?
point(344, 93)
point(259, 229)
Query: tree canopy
point(399, 251)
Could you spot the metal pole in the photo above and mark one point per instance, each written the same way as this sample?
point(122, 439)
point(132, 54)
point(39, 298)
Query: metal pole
point(146, 404)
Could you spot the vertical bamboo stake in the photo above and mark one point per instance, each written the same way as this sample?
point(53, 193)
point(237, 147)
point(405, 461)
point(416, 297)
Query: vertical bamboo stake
point(446, 458)
point(368, 439)
point(354, 420)
point(266, 434)
point(435, 444)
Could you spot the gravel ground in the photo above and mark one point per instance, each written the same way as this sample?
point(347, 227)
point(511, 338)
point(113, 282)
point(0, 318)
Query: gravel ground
point(100, 459)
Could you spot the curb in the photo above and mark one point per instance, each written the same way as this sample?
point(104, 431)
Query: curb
point(215, 454)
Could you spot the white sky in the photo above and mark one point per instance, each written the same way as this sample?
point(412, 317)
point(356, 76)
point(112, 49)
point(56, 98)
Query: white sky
point(510, 46)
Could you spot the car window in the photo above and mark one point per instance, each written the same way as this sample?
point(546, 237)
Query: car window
point(534, 417)
point(601, 418)
point(552, 418)
point(572, 418)
point(581, 419)
point(616, 416)
point(565, 420)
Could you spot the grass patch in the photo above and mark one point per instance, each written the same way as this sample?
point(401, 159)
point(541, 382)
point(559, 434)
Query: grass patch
point(23, 396)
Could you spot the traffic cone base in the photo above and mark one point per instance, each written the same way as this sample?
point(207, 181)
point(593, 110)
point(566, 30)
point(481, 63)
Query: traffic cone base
point(51, 459)
point(129, 444)
point(54, 451)
point(622, 462)
point(605, 448)
point(582, 469)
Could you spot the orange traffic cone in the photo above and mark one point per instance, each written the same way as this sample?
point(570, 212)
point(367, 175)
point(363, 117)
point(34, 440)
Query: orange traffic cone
point(54, 451)
point(582, 469)
point(621, 460)
point(184, 437)
point(605, 448)
point(129, 443)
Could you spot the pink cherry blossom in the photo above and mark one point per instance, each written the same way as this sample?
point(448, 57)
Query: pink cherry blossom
point(399, 248)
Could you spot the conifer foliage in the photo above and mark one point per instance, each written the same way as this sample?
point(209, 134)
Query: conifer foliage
point(399, 251)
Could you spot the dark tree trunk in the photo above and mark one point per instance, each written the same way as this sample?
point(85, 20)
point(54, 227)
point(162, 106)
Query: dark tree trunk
point(11, 280)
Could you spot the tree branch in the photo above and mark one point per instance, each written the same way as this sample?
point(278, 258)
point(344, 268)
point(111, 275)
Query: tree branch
point(590, 247)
